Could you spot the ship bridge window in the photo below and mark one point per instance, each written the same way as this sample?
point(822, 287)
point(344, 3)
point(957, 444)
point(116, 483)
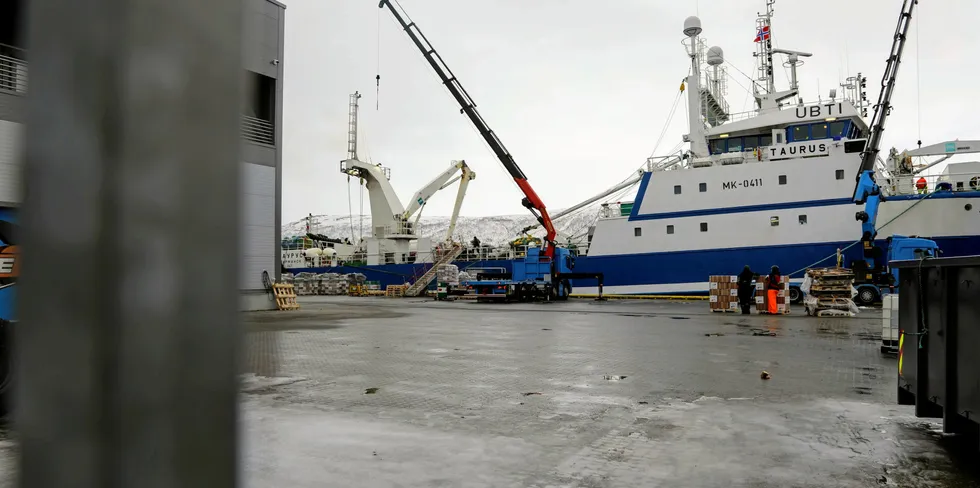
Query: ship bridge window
point(837, 129)
point(819, 131)
point(717, 146)
point(735, 144)
point(765, 140)
point(677, 189)
point(800, 132)
point(751, 142)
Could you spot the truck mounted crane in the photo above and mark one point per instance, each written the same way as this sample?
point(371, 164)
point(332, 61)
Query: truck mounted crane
point(531, 201)
point(873, 273)
point(545, 272)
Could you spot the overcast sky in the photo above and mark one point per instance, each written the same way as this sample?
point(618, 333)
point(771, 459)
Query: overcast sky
point(578, 90)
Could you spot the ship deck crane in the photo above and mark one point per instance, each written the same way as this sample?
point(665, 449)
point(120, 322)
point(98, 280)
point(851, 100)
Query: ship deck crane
point(531, 201)
point(443, 180)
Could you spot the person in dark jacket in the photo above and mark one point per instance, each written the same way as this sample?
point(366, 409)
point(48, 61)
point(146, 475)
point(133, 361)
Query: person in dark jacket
point(774, 283)
point(746, 289)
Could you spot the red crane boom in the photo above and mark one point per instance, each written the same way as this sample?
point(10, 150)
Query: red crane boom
point(531, 201)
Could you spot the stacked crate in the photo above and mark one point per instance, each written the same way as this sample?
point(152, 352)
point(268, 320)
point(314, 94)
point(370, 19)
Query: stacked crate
point(306, 284)
point(723, 293)
point(889, 323)
point(448, 274)
point(332, 284)
point(782, 298)
point(830, 292)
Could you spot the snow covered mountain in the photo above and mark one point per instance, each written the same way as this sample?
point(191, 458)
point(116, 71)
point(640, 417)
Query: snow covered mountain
point(494, 230)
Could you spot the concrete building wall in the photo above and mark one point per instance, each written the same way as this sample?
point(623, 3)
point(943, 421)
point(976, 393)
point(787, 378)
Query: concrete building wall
point(261, 152)
point(264, 24)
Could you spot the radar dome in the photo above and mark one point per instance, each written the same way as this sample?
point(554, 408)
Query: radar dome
point(692, 26)
point(715, 56)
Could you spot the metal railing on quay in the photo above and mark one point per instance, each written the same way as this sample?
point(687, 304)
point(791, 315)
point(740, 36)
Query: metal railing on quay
point(258, 130)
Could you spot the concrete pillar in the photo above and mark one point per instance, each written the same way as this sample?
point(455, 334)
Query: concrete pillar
point(129, 339)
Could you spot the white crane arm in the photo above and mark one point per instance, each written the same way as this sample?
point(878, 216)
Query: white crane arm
point(944, 148)
point(439, 182)
point(464, 181)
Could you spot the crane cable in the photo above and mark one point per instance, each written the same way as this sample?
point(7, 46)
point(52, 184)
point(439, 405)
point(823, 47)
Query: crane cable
point(350, 210)
point(377, 76)
point(670, 117)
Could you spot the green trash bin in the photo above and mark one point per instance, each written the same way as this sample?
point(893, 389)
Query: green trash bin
point(442, 291)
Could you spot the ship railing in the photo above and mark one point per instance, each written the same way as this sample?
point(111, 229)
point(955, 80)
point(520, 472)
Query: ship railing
point(893, 185)
point(13, 69)
point(257, 130)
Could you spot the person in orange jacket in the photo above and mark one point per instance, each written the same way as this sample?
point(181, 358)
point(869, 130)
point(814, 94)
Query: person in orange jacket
point(774, 283)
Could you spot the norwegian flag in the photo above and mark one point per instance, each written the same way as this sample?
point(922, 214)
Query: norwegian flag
point(763, 34)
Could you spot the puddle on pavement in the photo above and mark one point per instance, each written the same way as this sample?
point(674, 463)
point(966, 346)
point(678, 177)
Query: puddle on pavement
point(613, 377)
point(680, 318)
point(862, 390)
point(371, 391)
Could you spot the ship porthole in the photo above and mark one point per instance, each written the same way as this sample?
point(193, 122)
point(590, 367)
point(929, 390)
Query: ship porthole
point(968, 207)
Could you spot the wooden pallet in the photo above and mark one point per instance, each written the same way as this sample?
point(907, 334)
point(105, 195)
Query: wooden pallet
point(285, 296)
point(725, 310)
point(395, 290)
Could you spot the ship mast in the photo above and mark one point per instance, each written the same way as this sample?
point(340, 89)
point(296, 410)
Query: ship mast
point(764, 52)
point(695, 49)
point(352, 126)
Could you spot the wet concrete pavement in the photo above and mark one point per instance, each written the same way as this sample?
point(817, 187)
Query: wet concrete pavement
point(577, 394)
point(391, 393)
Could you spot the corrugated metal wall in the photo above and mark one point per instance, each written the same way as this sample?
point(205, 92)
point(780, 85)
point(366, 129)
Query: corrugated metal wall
point(11, 144)
point(258, 213)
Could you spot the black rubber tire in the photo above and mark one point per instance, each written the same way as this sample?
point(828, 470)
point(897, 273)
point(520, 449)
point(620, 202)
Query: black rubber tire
point(866, 296)
point(795, 295)
point(567, 287)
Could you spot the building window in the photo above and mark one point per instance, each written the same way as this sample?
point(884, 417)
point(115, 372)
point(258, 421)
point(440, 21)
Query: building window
point(637, 232)
point(677, 189)
point(259, 108)
point(774, 221)
point(717, 146)
point(801, 133)
point(782, 179)
point(703, 187)
point(802, 219)
point(735, 145)
point(837, 128)
point(840, 174)
point(819, 131)
point(670, 229)
point(704, 227)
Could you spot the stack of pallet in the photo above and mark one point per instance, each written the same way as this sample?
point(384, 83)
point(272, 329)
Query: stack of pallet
point(395, 290)
point(782, 296)
point(448, 273)
point(332, 284)
point(723, 293)
point(829, 292)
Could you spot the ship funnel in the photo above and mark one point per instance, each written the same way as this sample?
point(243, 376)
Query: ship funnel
point(715, 56)
point(692, 26)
